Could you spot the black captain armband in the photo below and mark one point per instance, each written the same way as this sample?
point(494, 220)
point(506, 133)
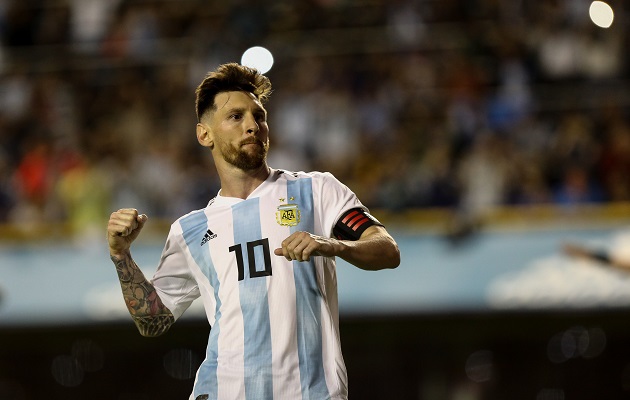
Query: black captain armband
point(353, 223)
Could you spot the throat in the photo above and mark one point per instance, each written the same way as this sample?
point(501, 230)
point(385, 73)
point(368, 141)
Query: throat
point(241, 184)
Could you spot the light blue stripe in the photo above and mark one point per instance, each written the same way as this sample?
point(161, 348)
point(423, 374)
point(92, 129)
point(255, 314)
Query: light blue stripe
point(194, 227)
point(254, 304)
point(308, 301)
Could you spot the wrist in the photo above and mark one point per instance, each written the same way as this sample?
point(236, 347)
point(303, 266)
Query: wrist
point(340, 247)
point(118, 255)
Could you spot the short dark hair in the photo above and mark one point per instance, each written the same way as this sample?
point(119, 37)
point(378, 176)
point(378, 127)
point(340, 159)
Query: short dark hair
point(227, 78)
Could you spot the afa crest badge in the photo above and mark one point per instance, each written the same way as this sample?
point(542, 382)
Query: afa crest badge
point(288, 214)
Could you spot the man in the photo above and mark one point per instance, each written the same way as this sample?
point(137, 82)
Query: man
point(261, 256)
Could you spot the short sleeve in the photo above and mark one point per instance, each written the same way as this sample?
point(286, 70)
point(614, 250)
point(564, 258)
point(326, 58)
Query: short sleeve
point(335, 199)
point(173, 279)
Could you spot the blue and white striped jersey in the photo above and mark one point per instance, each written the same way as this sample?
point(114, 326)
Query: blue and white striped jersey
point(275, 328)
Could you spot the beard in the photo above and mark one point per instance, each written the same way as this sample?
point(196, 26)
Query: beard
point(246, 160)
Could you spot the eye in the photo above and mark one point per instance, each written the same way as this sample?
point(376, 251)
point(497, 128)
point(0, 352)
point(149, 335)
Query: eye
point(236, 116)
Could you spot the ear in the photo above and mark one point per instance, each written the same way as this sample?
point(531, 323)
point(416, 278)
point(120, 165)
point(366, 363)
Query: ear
point(204, 136)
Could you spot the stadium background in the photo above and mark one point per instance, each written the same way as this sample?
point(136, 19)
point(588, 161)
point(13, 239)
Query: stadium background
point(483, 133)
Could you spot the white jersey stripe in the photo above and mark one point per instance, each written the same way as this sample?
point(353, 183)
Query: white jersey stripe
point(255, 263)
point(193, 227)
point(308, 302)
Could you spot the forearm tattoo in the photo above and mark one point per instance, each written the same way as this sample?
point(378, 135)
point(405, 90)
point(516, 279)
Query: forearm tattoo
point(150, 315)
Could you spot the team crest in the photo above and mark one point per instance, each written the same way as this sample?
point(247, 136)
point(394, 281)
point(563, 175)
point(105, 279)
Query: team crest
point(288, 214)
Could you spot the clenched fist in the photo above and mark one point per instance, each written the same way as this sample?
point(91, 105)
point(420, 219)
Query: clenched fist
point(123, 228)
point(301, 246)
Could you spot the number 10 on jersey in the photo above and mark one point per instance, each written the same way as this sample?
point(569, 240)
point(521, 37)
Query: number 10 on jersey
point(252, 248)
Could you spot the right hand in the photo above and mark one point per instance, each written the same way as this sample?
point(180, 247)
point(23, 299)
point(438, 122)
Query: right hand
point(123, 228)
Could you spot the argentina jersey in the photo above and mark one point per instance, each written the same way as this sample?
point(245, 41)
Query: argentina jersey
point(274, 322)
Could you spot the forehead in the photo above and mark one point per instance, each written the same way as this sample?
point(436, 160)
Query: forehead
point(236, 99)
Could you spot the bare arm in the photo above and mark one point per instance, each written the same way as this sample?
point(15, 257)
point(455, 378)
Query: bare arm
point(374, 250)
point(602, 256)
point(147, 310)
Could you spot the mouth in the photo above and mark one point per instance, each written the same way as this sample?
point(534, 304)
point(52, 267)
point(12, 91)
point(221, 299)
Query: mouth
point(256, 142)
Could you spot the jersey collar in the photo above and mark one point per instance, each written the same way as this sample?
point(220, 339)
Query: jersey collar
point(258, 192)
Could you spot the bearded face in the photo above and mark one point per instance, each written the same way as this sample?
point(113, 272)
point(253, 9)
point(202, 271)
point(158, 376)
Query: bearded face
point(250, 154)
point(237, 131)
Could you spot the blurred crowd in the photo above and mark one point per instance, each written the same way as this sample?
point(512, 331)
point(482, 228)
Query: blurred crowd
point(412, 103)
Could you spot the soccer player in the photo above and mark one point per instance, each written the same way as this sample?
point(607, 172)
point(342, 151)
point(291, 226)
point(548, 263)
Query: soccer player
point(261, 255)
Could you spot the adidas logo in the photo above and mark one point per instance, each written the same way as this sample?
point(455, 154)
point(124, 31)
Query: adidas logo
point(206, 238)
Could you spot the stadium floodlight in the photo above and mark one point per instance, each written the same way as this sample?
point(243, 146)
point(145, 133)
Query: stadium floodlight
point(601, 14)
point(258, 57)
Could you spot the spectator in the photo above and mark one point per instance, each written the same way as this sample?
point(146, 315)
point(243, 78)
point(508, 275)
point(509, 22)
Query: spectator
point(418, 83)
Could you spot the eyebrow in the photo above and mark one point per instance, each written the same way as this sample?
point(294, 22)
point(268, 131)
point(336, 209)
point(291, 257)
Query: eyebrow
point(243, 109)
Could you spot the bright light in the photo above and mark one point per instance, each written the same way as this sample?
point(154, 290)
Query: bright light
point(601, 14)
point(259, 58)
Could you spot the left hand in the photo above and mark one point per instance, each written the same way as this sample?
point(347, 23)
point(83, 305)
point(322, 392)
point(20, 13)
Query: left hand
point(301, 246)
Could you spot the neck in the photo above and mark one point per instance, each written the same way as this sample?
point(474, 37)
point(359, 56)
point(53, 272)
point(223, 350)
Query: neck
point(238, 183)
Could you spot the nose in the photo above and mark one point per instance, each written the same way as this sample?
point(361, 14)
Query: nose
point(252, 125)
